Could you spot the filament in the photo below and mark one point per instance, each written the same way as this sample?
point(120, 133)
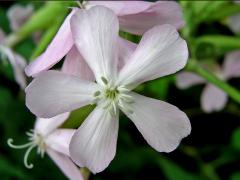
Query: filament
point(10, 141)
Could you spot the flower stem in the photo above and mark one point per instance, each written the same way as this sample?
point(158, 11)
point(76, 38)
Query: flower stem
point(198, 69)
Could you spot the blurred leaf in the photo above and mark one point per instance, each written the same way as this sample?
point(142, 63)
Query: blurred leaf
point(78, 116)
point(175, 172)
point(235, 176)
point(236, 138)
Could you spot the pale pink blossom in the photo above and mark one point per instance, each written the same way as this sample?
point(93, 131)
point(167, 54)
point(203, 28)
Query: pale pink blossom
point(55, 142)
point(213, 98)
point(95, 32)
point(134, 16)
point(17, 62)
point(234, 21)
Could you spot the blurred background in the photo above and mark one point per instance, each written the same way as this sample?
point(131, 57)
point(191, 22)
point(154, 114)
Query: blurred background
point(212, 151)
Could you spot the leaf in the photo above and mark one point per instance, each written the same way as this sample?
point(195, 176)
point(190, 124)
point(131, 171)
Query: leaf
point(235, 176)
point(235, 141)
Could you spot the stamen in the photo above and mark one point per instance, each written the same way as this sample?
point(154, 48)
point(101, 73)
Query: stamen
point(10, 141)
point(104, 80)
point(29, 166)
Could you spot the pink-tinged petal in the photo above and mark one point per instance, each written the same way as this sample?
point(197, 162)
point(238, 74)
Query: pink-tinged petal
point(74, 64)
point(70, 170)
point(213, 99)
point(52, 93)
point(56, 50)
point(45, 126)
point(2, 36)
point(139, 16)
point(234, 23)
point(231, 65)
point(161, 52)
point(186, 79)
point(94, 144)
point(162, 125)
point(126, 49)
point(95, 33)
point(18, 15)
point(18, 63)
point(59, 140)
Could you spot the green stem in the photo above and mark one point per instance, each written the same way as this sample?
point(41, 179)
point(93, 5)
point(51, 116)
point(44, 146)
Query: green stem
point(198, 69)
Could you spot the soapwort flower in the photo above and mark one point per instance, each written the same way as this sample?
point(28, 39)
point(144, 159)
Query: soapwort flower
point(55, 142)
point(95, 32)
point(134, 16)
point(213, 98)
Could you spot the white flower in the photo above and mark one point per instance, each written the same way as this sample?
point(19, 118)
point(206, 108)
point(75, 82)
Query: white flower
point(161, 52)
point(47, 138)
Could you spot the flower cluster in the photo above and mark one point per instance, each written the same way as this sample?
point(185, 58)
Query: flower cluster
point(102, 68)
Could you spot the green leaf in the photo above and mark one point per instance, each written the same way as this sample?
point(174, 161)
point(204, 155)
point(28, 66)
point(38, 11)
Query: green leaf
point(235, 176)
point(236, 138)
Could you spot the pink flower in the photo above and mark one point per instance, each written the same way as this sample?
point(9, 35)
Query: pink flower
point(213, 98)
point(135, 16)
point(55, 142)
point(234, 21)
point(16, 60)
point(95, 32)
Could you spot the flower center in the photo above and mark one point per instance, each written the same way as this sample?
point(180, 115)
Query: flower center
point(35, 140)
point(112, 97)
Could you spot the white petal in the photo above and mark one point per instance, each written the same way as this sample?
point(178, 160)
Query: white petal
point(94, 144)
point(74, 64)
point(162, 125)
point(161, 52)
point(186, 79)
point(231, 65)
point(59, 140)
point(45, 126)
point(52, 93)
point(95, 33)
point(70, 170)
point(234, 23)
point(213, 99)
point(18, 15)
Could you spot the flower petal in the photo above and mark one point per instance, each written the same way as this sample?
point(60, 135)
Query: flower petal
point(52, 93)
point(95, 33)
point(161, 52)
point(213, 99)
point(56, 50)
point(126, 49)
point(18, 15)
point(234, 23)
point(161, 124)
point(94, 144)
point(186, 79)
point(2, 35)
point(74, 64)
point(45, 126)
point(139, 16)
point(59, 140)
point(231, 65)
point(18, 63)
point(66, 165)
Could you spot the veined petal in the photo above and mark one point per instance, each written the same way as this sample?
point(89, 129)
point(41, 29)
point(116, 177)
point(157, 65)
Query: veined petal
point(231, 65)
point(186, 79)
point(94, 144)
point(74, 64)
point(126, 49)
point(66, 165)
point(45, 126)
point(18, 15)
point(161, 52)
point(213, 99)
point(56, 50)
point(59, 140)
point(139, 16)
point(52, 93)
point(95, 33)
point(162, 125)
